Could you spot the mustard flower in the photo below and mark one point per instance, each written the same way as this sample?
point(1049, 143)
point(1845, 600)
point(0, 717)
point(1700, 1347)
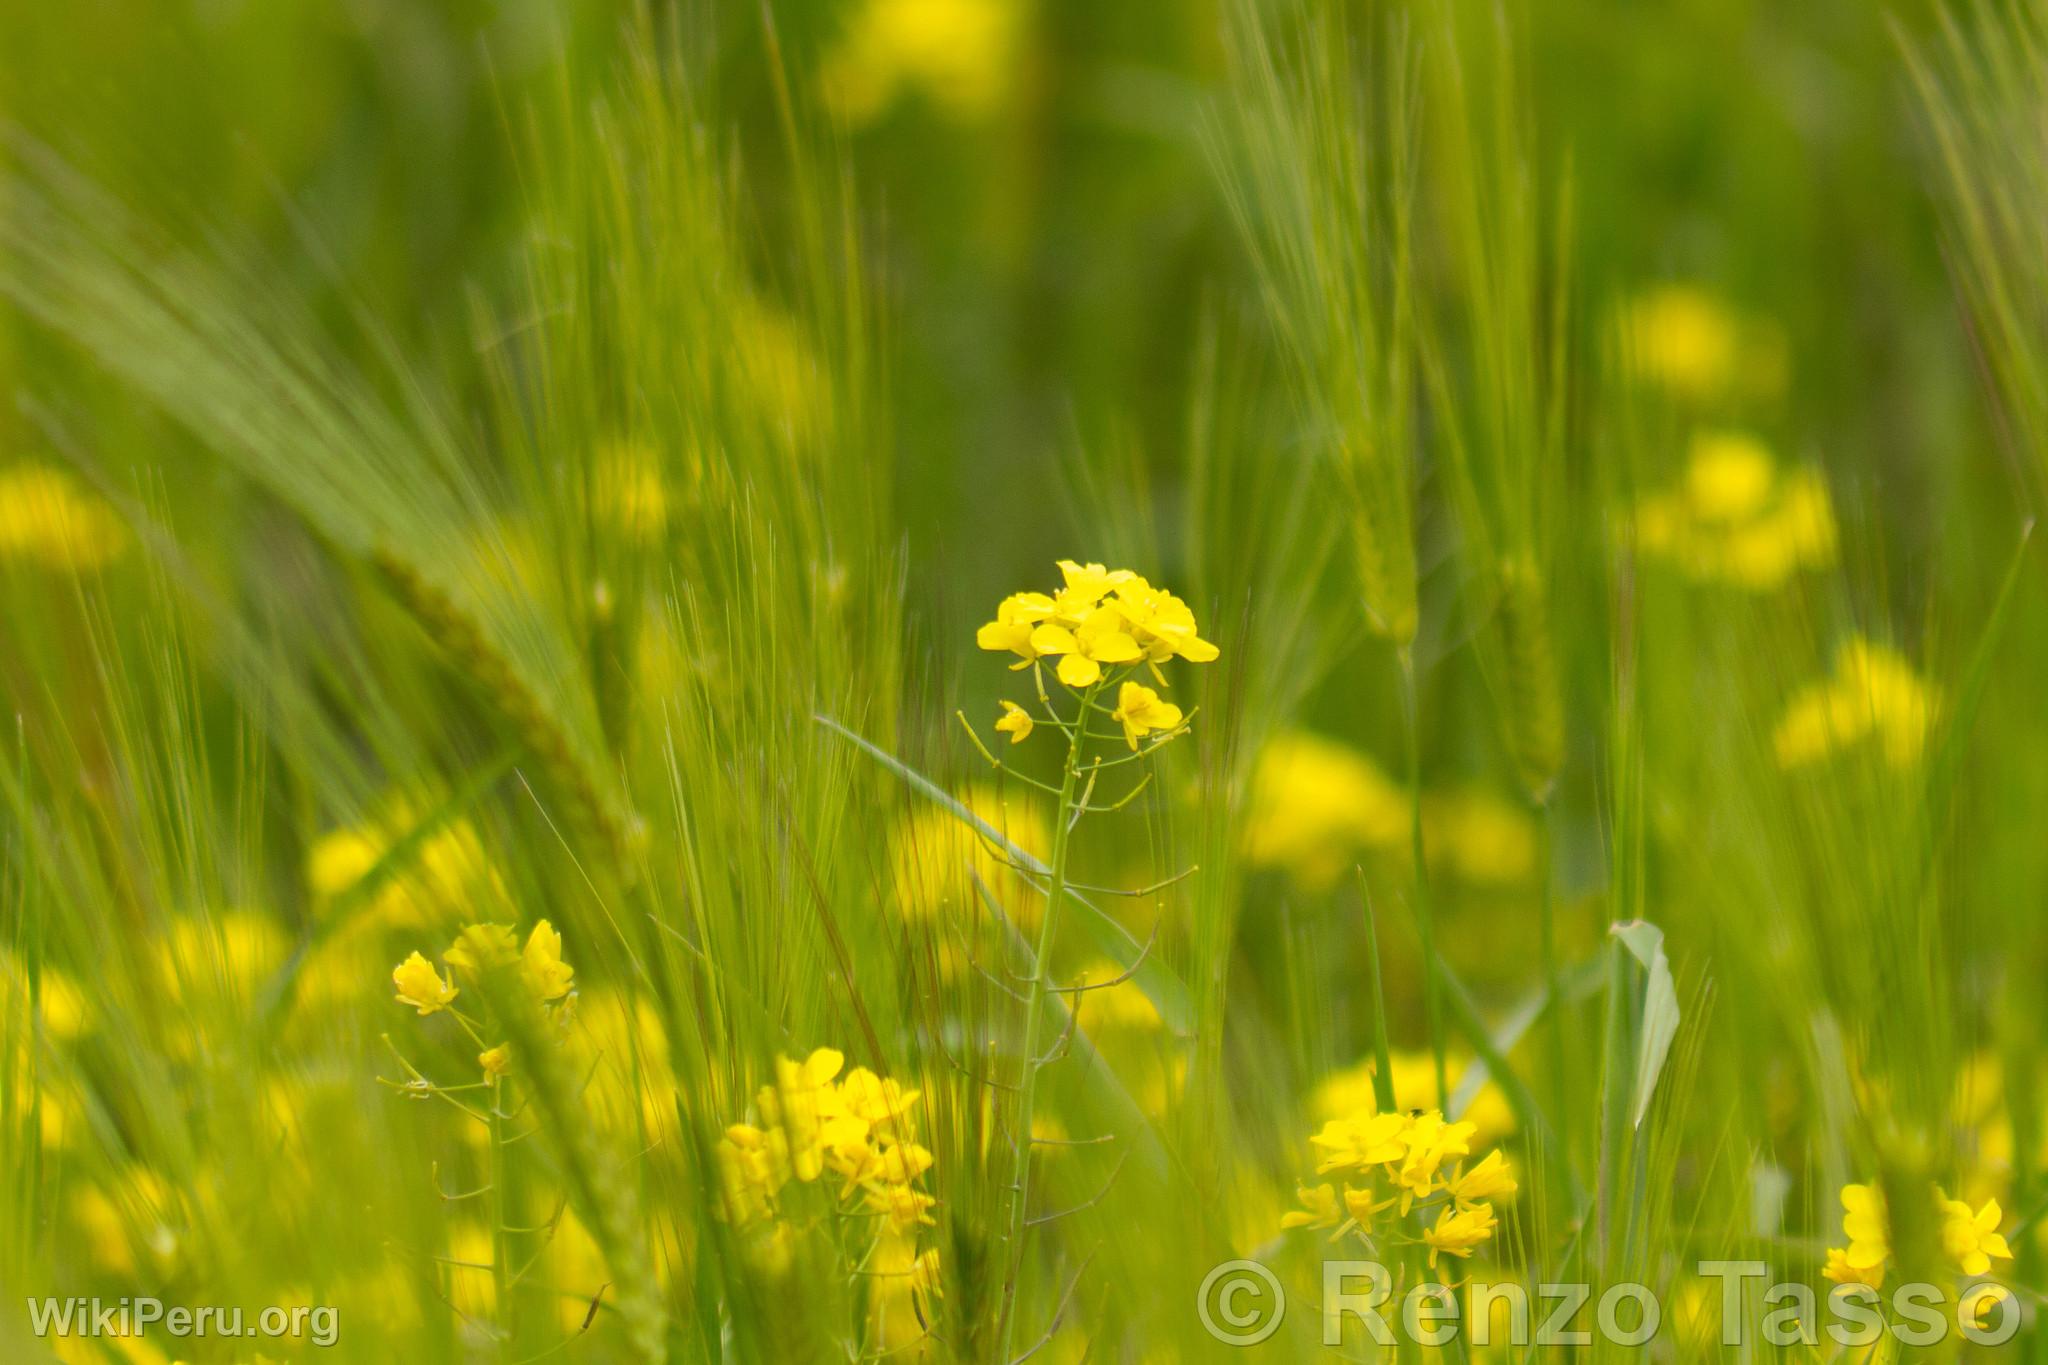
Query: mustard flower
point(1865, 1224)
point(545, 970)
point(1971, 1239)
point(1360, 1141)
point(1141, 711)
point(1484, 1181)
point(1100, 638)
point(1459, 1232)
point(1016, 617)
point(480, 947)
point(420, 986)
point(496, 1061)
point(1016, 722)
point(799, 1094)
point(1840, 1271)
point(1319, 1208)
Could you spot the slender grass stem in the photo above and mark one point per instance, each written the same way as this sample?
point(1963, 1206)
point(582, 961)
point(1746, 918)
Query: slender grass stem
point(1019, 1185)
point(1425, 923)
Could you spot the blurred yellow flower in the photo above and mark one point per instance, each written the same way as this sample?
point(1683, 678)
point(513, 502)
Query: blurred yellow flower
point(1487, 1180)
point(629, 491)
point(1971, 1239)
point(1479, 836)
point(1691, 344)
point(962, 55)
point(935, 859)
point(1736, 519)
point(1315, 805)
point(1459, 1232)
point(496, 1061)
point(1319, 1208)
point(1873, 695)
point(420, 986)
point(1351, 1089)
point(545, 970)
point(46, 519)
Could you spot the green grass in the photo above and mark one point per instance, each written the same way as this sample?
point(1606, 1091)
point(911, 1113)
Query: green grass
point(486, 464)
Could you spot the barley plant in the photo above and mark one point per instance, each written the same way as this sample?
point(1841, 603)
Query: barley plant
point(598, 761)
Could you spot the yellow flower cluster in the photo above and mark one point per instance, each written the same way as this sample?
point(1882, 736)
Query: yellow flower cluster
point(48, 520)
point(1874, 695)
point(477, 949)
point(1317, 805)
point(1691, 344)
point(1402, 1163)
point(1349, 1089)
point(1737, 519)
point(1969, 1237)
point(1101, 617)
point(959, 54)
point(860, 1129)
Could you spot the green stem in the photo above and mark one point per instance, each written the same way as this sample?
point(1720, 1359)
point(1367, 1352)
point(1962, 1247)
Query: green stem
point(1425, 920)
point(1034, 1008)
point(501, 1236)
point(1553, 975)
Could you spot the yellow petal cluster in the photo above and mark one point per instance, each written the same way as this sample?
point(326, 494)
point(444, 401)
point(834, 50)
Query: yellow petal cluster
point(1692, 345)
point(1736, 518)
point(1970, 1238)
point(48, 520)
point(960, 55)
point(1099, 619)
point(1873, 696)
point(1396, 1164)
point(860, 1128)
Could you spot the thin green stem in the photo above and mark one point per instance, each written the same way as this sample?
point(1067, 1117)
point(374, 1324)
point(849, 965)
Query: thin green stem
point(1425, 918)
point(1553, 974)
point(1034, 1009)
point(501, 1234)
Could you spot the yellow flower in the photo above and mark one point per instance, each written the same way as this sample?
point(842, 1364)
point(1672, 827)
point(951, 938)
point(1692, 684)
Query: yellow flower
point(1459, 1232)
point(1873, 696)
point(1016, 722)
point(875, 1100)
point(1101, 638)
point(1972, 1239)
point(545, 969)
point(420, 986)
point(1360, 1141)
point(480, 947)
point(1691, 344)
point(1319, 1208)
point(1484, 838)
point(905, 1208)
point(1735, 519)
point(496, 1061)
point(46, 519)
point(1840, 1271)
point(799, 1088)
point(1142, 712)
point(1428, 1142)
point(959, 54)
point(753, 1166)
point(1984, 1301)
point(1489, 1179)
point(1162, 624)
point(1316, 804)
point(1865, 1225)
point(1016, 617)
